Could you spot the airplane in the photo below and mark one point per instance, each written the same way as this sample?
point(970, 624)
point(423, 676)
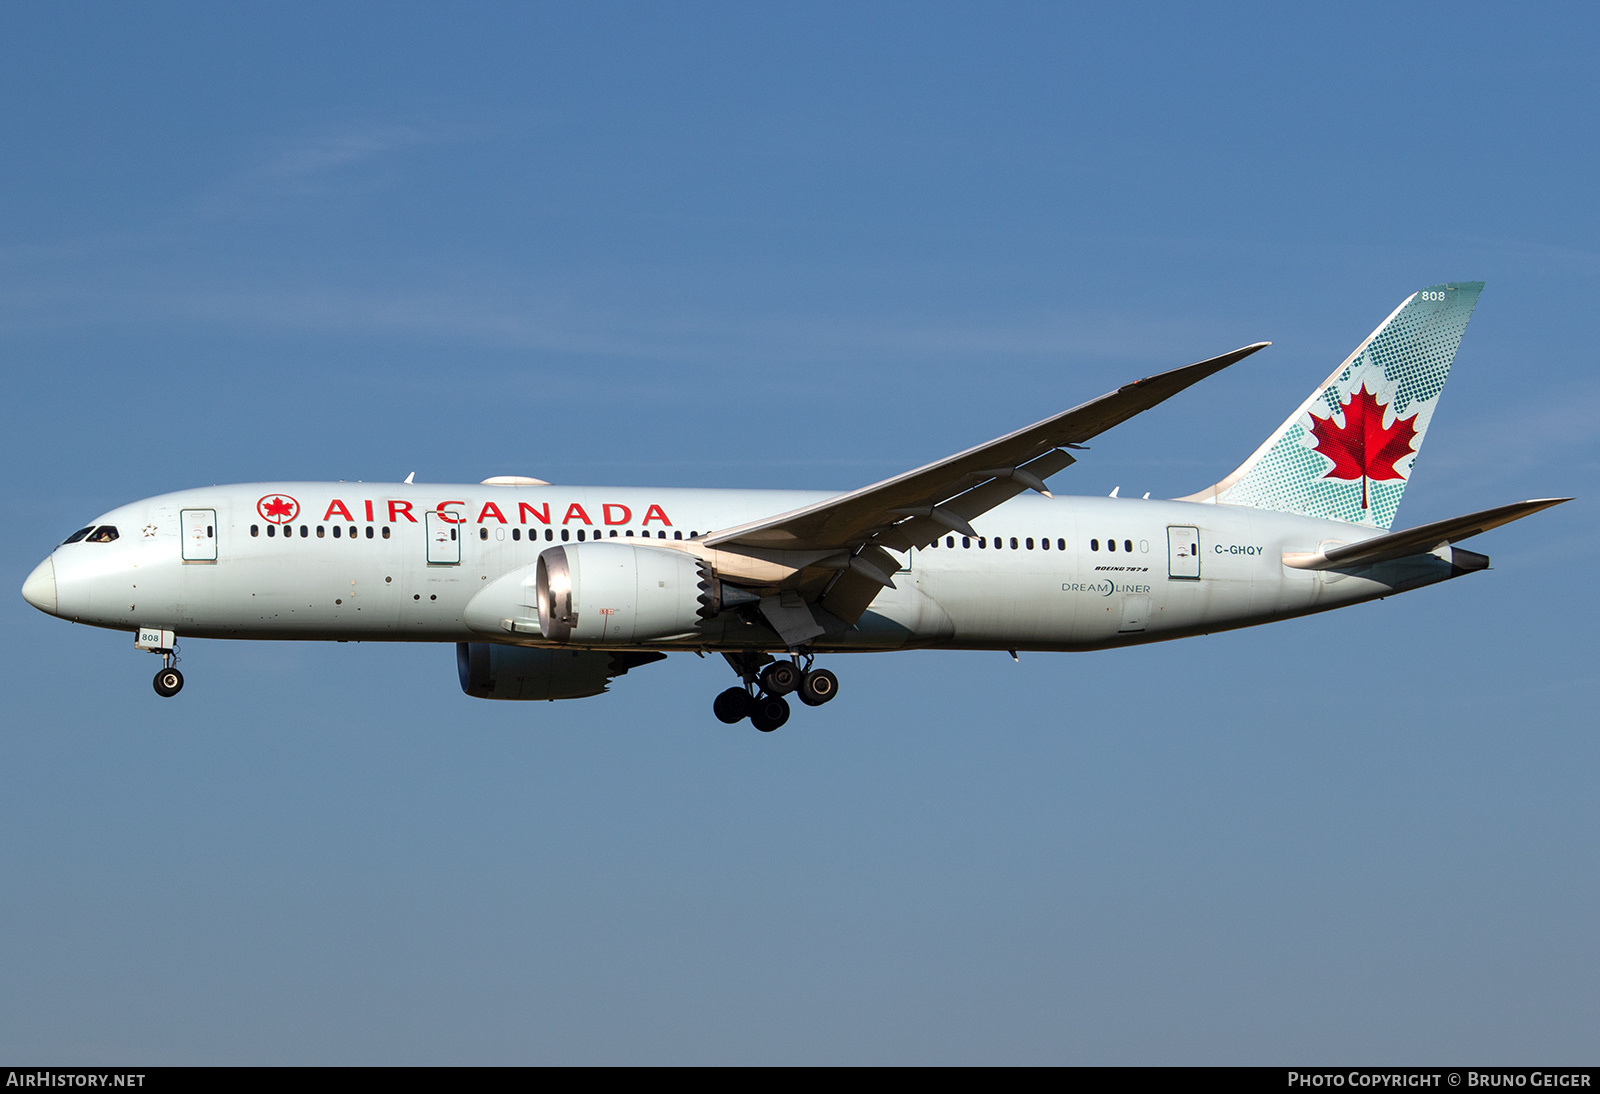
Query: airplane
point(551, 592)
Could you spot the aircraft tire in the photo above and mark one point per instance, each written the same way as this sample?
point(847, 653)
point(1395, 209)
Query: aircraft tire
point(168, 682)
point(770, 712)
point(732, 706)
point(817, 687)
point(780, 678)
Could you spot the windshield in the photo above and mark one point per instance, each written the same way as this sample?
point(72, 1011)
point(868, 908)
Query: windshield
point(76, 536)
point(103, 534)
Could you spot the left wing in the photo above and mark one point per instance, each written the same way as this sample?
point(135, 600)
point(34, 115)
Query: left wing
point(911, 510)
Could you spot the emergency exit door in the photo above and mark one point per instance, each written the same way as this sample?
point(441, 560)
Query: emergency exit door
point(1183, 552)
point(444, 541)
point(199, 530)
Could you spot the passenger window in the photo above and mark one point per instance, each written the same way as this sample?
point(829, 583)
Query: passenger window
point(613, 533)
point(352, 531)
point(661, 535)
point(983, 542)
point(949, 541)
point(1111, 545)
point(369, 531)
point(516, 533)
point(966, 542)
point(628, 534)
point(564, 534)
point(1127, 545)
point(272, 530)
point(549, 534)
point(319, 531)
point(76, 536)
point(305, 532)
point(385, 531)
point(335, 531)
point(1044, 545)
point(1061, 545)
point(1030, 543)
point(483, 533)
point(580, 535)
point(677, 535)
point(1014, 543)
point(255, 530)
point(1094, 545)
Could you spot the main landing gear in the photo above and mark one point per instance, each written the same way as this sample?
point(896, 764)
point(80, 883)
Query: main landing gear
point(761, 699)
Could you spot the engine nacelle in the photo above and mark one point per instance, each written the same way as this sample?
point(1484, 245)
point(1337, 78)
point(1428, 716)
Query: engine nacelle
point(492, 671)
point(619, 594)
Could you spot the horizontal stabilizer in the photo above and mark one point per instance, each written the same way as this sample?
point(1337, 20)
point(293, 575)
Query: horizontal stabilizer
point(1415, 541)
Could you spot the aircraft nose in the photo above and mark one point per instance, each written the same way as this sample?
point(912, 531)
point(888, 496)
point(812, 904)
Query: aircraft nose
point(40, 588)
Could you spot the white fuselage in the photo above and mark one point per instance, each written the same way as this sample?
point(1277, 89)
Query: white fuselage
point(355, 562)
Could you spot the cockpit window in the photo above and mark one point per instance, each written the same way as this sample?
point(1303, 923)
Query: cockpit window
point(103, 534)
point(76, 536)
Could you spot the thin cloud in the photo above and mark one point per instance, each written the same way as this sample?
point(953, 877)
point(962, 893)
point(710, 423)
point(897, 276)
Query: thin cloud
point(309, 165)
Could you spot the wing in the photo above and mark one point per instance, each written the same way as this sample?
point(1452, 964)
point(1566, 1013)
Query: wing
point(911, 510)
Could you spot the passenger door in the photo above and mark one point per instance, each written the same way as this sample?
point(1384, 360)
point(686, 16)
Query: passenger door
point(1183, 552)
point(199, 531)
point(444, 540)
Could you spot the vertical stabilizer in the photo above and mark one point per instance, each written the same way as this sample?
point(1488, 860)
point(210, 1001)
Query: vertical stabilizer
point(1347, 452)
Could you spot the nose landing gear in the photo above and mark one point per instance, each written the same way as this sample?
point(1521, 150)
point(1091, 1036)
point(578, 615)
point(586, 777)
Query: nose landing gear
point(164, 643)
point(761, 699)
point(169, 681)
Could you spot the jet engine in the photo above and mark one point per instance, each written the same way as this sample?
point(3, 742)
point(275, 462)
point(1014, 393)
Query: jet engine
point(618, 594)
point(492, 671)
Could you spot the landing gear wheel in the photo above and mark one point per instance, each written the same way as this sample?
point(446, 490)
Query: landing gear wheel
point(817, 687)
point(770, 712)
point(732, 706)
point(168, 682)
point(780, 678)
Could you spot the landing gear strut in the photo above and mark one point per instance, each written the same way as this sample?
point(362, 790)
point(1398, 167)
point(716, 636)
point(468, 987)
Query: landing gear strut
point(761, 698)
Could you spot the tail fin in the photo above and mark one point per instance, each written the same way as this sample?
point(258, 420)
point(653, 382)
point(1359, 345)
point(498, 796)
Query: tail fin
point(1347, 452)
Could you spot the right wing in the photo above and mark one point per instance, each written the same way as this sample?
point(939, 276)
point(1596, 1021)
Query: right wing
point(913, 509)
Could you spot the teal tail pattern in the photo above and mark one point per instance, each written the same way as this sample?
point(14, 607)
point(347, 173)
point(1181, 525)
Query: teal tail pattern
point(1347, 452)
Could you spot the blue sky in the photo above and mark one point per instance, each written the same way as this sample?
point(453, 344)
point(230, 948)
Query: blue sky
point(801, 246)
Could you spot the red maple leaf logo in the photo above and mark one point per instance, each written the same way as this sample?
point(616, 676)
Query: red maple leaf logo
point(1362, 448)
point(278, 508)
